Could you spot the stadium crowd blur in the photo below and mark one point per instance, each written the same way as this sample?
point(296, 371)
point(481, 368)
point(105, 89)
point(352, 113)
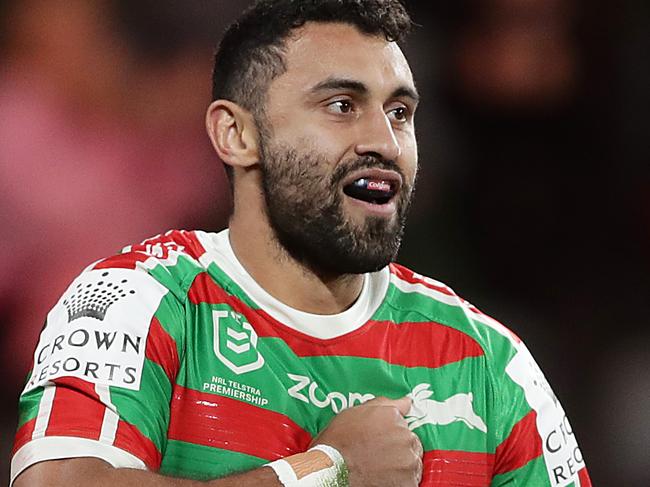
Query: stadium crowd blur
point(533, 198)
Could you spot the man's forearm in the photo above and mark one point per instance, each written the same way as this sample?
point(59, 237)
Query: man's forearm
point(92, 472)
point(368, 444)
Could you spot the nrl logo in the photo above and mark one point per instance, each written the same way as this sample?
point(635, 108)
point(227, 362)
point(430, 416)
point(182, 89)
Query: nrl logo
point(458, 407)
point(235, 342)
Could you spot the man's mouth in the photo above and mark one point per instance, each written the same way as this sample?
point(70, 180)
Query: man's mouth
point(377, 187)
point(375, 191)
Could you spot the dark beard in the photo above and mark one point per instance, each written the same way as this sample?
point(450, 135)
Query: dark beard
point(305, 209)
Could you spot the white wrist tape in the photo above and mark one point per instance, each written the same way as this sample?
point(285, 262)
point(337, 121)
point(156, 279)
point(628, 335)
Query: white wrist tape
point(284, 472)
point(334, 475)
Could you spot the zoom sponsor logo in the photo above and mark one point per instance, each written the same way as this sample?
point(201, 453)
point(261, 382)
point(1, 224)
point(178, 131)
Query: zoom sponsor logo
point(457, 408)
point(308, 391)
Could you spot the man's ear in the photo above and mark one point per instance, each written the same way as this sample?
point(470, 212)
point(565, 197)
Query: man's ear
point(233, 133)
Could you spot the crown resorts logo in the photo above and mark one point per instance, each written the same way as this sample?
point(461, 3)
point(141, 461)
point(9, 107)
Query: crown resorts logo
point(92, 299)
point(98, 331)
point(235, 342)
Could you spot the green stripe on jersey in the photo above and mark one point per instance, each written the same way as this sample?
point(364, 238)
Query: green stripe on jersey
point(138, 408)
point(200, 462)
point(400, 307)
point(28, 405)
point(171, 315)
point(348, 379)
point(178, 277)
point(531, 474)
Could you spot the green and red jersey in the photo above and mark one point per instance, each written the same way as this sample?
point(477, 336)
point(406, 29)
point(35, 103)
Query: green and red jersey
point(170, 357)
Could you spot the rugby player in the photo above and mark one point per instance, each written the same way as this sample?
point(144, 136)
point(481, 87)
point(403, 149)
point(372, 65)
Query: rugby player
point(290, 349)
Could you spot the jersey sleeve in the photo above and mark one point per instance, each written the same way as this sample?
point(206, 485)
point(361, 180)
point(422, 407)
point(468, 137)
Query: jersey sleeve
point(103, 371)
point(537, 445)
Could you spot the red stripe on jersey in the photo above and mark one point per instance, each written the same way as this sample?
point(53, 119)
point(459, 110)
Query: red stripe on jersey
point(122, 261)
point(221, 422)
point(129, 438)
point(427, 344)
point(189, 241)
point(158, 247)
point(409, 276)
point(161, 349)
point(583, 475)
point(23, 435)
point(446, 467)
point(522, 445)
point(205, 290)
point(76, 410)
point(174, 240)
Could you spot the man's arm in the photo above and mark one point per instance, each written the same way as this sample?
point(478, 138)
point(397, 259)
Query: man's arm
point(92, 472)
point(538, 446)
point(373, 438)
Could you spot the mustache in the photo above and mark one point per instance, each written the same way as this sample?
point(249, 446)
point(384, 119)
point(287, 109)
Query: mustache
point(365, 162)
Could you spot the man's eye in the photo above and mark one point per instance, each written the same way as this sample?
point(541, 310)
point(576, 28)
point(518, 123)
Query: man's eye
point(399, 114)
point(341, 106)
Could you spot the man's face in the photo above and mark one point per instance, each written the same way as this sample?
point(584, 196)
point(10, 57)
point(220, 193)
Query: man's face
point(338, 149)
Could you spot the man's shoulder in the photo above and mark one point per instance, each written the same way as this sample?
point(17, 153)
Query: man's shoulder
point(164, 248)
point(421, 298)
point(173, 259)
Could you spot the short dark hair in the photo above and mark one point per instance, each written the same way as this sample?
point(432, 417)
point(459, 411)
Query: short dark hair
point(251, 54)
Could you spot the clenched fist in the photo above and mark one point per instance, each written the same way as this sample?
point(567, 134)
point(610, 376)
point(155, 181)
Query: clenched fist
point(376, 443)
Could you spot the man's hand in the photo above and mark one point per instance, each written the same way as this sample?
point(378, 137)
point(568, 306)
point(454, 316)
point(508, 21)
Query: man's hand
point(376, 443)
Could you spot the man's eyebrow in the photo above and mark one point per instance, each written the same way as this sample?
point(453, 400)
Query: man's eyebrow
point(340, 84)
point(407, 92)
point(362, 89)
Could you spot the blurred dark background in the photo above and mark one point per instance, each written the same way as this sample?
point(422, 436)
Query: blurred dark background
point(533, 199)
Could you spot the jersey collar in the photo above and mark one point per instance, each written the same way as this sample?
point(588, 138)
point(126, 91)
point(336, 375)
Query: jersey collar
point(375, 286)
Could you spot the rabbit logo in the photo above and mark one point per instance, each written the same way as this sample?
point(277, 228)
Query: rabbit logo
point(429, 411)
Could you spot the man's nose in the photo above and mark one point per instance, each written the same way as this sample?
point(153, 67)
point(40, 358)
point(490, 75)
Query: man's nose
point(377, 138)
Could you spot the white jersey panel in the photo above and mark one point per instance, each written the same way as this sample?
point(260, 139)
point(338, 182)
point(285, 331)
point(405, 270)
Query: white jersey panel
point(98, 330)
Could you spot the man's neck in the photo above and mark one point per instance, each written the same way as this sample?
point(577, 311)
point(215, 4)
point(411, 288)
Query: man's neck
point(288, 280)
